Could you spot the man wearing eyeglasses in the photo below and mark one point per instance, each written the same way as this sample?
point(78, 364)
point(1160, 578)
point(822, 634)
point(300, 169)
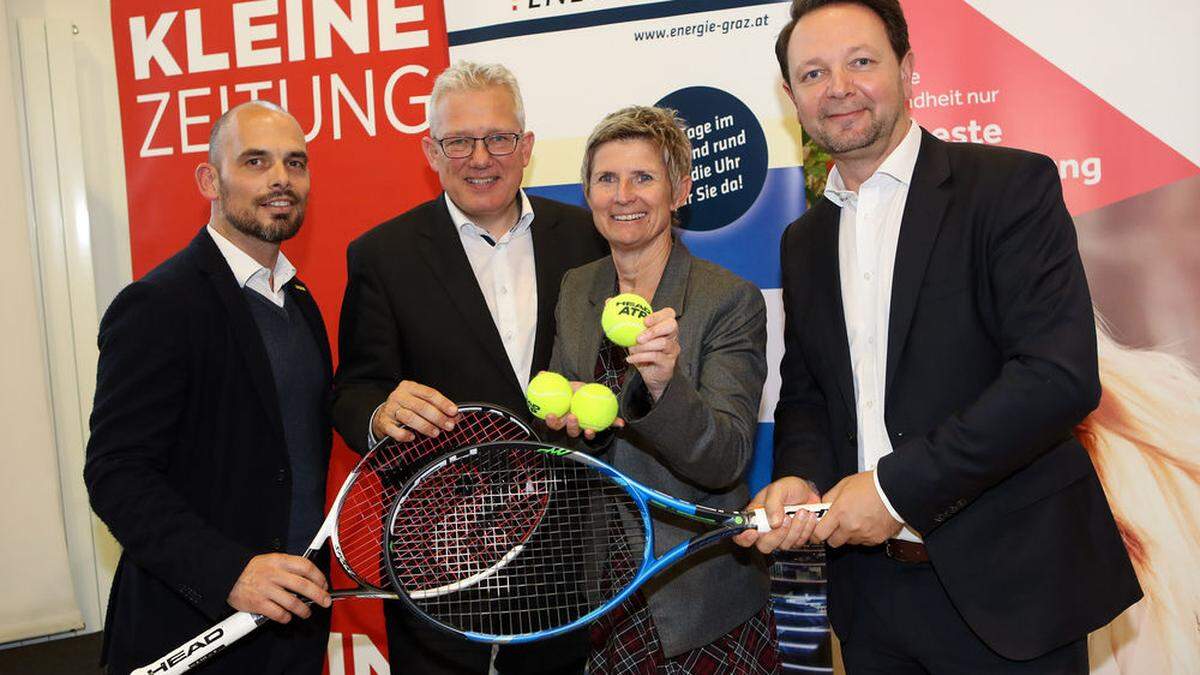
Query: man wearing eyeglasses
point(453, 301)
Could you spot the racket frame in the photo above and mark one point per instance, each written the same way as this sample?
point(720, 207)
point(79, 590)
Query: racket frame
point(726, 524)
point(217, 638)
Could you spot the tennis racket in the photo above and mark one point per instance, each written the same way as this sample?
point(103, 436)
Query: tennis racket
point(355, 524)
point(518, 541)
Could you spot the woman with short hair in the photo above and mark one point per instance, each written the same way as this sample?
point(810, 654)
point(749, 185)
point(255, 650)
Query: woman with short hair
point(689, 393)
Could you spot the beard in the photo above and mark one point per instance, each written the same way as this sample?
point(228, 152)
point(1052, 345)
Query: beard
point(846, 143)
point(277, 229)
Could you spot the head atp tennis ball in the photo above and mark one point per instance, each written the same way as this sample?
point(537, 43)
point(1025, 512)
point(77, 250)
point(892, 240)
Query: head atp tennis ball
point(548, 394)
point(595, 406)
point(624, 318)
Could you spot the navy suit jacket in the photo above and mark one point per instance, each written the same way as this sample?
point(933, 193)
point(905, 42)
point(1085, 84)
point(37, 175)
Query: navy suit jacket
point(991, 362)
point(413, 311)
point(187, 464)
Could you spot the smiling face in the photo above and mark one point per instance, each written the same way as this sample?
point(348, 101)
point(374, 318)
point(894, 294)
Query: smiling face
point(483, 186)
point(631, 195)
point(848, 87)
point(260, 185)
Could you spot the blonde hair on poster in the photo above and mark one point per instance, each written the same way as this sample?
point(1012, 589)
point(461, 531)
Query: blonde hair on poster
point(1144, 440)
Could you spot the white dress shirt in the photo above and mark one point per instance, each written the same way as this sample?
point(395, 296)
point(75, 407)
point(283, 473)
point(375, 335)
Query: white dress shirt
point(504, 269)
point(250, 274)
point(868, 232)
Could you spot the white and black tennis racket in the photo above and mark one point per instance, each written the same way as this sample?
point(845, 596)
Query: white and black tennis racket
point(355, 524)
point(520, 541)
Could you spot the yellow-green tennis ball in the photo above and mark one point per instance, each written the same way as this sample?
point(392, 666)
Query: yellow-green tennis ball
point(548, 394)
point(595, 406)
point(624, 318)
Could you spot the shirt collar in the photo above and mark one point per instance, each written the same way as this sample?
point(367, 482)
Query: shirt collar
point(898, 165)
point(462, 222)
point(245, 267)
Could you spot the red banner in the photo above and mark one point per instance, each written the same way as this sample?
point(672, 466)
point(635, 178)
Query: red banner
point(357, 76)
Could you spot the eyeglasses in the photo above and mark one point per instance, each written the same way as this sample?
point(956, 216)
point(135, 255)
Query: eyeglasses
point(498, 145)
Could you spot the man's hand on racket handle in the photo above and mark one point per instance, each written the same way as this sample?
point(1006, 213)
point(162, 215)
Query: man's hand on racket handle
point(857, 514)
point(274, 585)
point(413, 407)
point(787, 532)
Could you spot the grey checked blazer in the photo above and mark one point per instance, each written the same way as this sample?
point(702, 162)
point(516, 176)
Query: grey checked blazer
point(695, 443)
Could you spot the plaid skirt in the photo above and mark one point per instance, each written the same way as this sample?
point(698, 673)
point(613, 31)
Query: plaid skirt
point(625, 642)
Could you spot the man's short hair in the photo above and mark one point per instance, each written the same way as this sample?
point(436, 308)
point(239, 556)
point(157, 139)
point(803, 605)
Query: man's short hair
point(214, 136)
point(888, 11)
point(471, 76)
point(662, 127)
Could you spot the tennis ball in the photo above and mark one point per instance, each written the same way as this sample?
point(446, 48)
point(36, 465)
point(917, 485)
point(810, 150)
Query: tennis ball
point(624, 318)
point(548, 394)
point(595, 405)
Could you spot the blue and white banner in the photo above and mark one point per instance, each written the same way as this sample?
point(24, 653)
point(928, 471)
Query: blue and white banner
point(713, 62)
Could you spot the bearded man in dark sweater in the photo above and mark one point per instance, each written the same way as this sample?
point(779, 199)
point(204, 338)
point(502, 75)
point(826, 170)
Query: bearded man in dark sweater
point(190, 463)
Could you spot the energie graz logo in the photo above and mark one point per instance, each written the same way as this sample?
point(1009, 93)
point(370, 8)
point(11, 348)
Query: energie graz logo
point(550, 5)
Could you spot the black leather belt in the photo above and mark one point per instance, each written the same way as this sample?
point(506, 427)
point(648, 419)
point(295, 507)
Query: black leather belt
point(906, 551)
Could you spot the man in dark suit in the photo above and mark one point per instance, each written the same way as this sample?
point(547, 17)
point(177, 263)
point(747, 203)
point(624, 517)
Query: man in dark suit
point(454, 301)
point(940, 349)
point(189, 462)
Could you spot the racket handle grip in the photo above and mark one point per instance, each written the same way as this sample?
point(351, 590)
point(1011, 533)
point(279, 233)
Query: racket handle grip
point(760, 522)
point(204, 646)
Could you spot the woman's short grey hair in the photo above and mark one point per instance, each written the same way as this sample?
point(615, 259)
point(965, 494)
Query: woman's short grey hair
point(662, 127)
point(471, 76)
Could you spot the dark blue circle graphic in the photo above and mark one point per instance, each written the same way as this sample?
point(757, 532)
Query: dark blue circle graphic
point(729, 156)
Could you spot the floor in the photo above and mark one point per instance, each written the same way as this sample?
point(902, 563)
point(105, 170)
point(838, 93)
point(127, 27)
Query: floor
point(69, 656)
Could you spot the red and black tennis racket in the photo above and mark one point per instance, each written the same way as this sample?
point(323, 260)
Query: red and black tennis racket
point(355, 524)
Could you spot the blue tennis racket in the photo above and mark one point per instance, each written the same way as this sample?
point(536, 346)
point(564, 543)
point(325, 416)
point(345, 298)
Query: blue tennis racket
point(518, 541)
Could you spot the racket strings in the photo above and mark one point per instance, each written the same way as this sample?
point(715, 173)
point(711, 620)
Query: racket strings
point(514, 541)
point(360, 522)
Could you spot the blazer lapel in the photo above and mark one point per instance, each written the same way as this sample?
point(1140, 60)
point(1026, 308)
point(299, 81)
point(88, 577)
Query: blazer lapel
point(442, 250)
point(928, 197)
point(549, 270)
point(587, 333)
point(827, 294)
point(245, 331)
point(672, 288)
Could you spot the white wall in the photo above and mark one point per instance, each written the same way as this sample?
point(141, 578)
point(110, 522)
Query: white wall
point(28, 418)
point(35, 563)
point(100, 114)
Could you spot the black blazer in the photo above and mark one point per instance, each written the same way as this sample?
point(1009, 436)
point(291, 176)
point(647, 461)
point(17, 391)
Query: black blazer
point(991, 361)
point(186, 463)
point(413, 311)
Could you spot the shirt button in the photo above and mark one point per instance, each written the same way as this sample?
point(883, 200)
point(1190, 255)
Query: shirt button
point(504, 290)
point(867, 276)
point(870, 404)
point(276, 544)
